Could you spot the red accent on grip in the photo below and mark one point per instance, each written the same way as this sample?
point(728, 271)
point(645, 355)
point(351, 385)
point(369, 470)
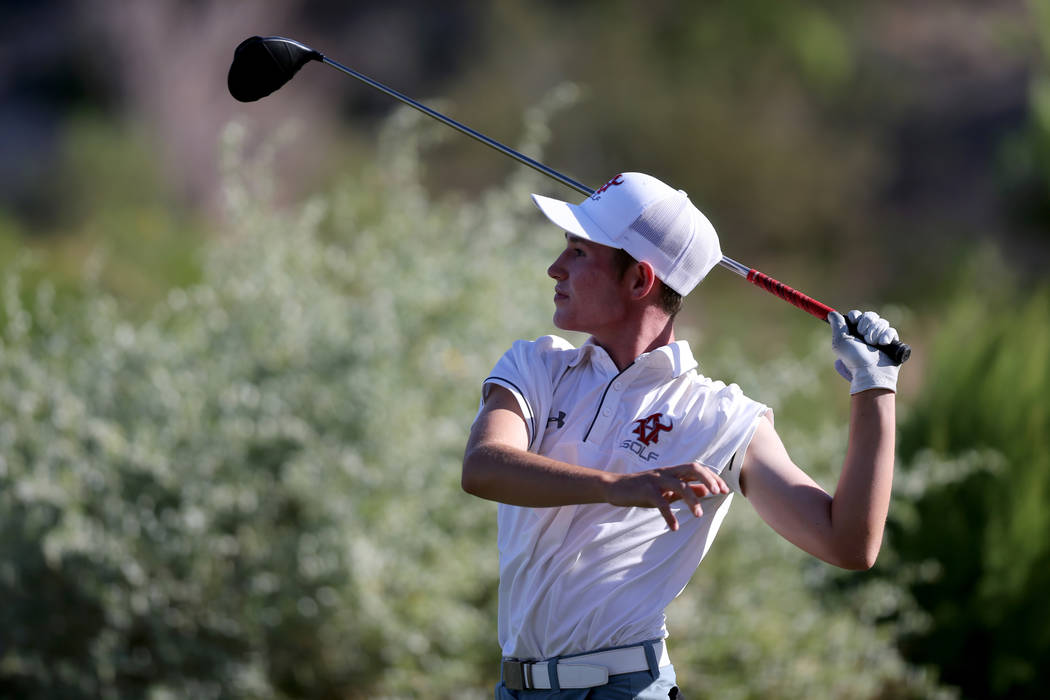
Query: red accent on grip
point(791, 296)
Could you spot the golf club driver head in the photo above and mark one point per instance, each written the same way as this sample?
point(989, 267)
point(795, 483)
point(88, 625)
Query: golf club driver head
point(262, 65)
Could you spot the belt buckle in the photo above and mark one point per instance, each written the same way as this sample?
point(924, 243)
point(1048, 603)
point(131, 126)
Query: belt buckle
point(515, 675)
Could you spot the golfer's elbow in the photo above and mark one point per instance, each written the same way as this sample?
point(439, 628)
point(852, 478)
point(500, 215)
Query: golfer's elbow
point(859, 556)
point(861, 562)
point(471, 480)
point(477, 476)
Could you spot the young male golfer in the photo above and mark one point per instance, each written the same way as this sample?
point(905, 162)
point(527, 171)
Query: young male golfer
point(614, 462)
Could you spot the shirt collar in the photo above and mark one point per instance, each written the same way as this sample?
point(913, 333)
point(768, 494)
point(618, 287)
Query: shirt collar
point(675, 358)
point(589, 351)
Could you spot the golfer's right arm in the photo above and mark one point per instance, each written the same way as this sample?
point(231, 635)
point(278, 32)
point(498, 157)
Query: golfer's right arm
point(498, 466)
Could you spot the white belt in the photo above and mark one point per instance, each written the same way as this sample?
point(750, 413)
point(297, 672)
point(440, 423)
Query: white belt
point(583, 671)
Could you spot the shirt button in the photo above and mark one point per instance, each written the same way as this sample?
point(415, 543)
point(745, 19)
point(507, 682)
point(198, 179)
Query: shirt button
point(618, 386)
point(606, 412)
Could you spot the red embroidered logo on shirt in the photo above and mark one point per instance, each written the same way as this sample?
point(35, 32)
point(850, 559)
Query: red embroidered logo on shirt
point(648, 429)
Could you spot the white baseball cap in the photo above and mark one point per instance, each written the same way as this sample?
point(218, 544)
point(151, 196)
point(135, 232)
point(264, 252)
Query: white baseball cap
point(653, 222)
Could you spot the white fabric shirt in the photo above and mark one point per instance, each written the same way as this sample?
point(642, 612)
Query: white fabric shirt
point(579, 578)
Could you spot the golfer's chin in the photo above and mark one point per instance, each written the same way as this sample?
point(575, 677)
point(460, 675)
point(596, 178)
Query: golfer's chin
point(565, 321)
point(559, 322)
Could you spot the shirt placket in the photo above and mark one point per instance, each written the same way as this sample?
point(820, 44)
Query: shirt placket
point(613, 398)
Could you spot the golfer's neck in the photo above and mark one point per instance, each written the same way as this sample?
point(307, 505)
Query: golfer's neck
point(627, 343)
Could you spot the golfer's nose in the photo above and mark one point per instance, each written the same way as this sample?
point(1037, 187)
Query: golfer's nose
point(557, 269)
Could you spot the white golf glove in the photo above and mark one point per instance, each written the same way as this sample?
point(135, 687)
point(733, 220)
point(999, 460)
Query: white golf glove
point(861, 365)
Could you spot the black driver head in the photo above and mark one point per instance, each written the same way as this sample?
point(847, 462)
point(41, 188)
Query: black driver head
point(262, 65)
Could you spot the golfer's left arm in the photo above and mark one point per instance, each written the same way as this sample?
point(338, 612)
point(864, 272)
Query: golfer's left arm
point(844, 529)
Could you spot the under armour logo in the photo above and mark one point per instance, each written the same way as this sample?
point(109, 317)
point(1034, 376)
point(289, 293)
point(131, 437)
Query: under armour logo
point(559, 419)
point(618, 180)
point(648, 429)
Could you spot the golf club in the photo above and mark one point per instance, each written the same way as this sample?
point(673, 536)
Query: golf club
point(262, 65)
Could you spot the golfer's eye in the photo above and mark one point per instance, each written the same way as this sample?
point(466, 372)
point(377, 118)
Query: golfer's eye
point(577, 252)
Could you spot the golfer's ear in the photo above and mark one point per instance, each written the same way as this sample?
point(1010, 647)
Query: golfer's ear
point(643, 280)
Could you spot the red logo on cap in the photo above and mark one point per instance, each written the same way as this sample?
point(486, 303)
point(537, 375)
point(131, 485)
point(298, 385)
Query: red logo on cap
point(618, 180)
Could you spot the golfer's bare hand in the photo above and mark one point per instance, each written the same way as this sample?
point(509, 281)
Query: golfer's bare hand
point(659, 488)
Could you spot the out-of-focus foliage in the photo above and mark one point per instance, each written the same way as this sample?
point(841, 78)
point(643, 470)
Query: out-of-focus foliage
point(983, 535)
point(737, 103)
point(862, 131)
point(254, 491)
point(762, 619)
point(113, 222)
point(1024, 160)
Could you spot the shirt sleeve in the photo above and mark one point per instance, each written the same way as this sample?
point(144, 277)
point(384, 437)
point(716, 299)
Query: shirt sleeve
point(731, 473)
point(527, 371)
point(736, 417)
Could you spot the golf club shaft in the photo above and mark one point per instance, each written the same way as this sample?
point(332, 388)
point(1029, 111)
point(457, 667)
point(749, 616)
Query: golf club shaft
point(897, 351)
point(505, 150)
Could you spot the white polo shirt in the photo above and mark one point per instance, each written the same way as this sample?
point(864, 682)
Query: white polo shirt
point(579, 578)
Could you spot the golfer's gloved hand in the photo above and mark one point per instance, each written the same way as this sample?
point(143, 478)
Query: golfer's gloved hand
point(861, 365)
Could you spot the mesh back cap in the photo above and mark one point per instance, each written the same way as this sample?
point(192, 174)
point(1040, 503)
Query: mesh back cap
point(653, 222)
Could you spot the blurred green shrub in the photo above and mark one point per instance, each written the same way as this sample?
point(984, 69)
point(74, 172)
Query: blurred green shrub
point(762, 619)
point(983, 534)
point(254, 491)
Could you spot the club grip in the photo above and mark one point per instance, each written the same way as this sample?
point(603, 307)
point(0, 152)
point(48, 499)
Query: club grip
point(897, 351)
